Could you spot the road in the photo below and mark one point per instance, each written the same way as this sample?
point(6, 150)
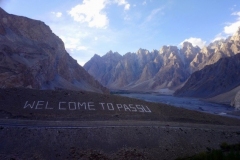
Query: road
point(109, 124)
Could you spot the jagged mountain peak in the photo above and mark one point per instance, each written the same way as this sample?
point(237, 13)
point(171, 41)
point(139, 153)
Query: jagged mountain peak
point(143, 51)
point(96, 55)
point(112, 55)
point(168, 49)
point(187, 44)
point(110, 52)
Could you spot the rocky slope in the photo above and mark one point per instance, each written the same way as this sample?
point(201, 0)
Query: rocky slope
point(32, 56)
point(214, 79)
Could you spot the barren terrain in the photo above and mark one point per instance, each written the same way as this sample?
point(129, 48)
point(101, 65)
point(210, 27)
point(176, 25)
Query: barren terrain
point(72, 125)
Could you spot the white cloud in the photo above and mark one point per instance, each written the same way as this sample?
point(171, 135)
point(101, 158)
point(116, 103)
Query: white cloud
point(91, 12)
point(219, 37)
point(71, 43)
point(57, 14)
point(82, 48)
point(153, 13)
point(144, 3)
point(236, 14)
point(231, 28)
point(195, 42)
point(123, 2)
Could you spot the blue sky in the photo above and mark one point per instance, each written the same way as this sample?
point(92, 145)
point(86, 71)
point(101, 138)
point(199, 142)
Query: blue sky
point(97, 26)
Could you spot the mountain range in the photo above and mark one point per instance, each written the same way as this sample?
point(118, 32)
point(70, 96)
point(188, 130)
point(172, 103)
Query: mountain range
point(168, 68)
point(189, 70)
point(32, 56)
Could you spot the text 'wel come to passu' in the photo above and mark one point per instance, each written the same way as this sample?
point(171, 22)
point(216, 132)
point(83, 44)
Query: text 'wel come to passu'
point(90, 106)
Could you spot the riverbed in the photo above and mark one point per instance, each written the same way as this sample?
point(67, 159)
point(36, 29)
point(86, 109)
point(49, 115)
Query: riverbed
point(188, 103)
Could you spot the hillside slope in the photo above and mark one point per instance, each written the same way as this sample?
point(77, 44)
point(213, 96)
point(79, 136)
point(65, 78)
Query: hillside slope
point(32, 56)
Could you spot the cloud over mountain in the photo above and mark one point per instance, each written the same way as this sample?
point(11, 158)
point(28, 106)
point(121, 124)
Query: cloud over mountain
point(195, 42)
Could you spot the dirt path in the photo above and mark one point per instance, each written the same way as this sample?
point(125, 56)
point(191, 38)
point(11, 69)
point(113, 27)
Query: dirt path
point(109, 124)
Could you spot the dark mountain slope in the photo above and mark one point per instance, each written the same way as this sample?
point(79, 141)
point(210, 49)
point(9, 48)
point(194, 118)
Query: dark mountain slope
point(213, 79)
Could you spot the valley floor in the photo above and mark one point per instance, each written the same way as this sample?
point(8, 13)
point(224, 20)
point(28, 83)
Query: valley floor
point(188, 103)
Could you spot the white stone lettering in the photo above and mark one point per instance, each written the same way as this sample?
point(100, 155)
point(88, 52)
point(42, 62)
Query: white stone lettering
point(83, 104)
point(60, 107)
point(74, 106)
point(119, 106)
point(110, 106)
point(126, 108)
point(133, 109)
point(102, 104)
point(39, 104)
point(29, 105)
point(146, 110)
point(46, 107)
point(91, 104)
point(140, 108)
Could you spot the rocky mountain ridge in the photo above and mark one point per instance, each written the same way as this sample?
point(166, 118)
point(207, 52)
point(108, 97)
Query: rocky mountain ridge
point(212, 80)
point(166, 69)
point(32, 56)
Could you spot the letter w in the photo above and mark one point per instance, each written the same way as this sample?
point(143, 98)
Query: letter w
point(29, 105)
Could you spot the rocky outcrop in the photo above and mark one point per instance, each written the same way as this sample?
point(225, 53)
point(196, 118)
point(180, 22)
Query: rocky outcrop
point(32, 56)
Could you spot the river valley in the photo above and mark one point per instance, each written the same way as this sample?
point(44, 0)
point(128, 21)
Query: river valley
point(188, 103)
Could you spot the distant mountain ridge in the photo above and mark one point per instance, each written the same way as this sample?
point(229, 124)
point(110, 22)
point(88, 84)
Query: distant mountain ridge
point(31, 56)
point(168, 68)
